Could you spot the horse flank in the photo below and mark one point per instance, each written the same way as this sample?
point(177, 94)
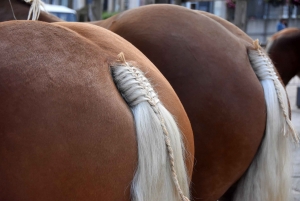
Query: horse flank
point(268, 177)
point(154, 179)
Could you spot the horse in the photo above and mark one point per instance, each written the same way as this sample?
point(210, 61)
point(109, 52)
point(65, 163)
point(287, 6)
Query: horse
point(283, 48)
point(234, 99)
point(19, 10)
point(221, 78)
point(79, 122)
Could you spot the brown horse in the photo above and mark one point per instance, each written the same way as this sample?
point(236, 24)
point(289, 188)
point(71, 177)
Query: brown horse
point(18, 9)
point(206, 60)
point(66, 132)
point(283, 48)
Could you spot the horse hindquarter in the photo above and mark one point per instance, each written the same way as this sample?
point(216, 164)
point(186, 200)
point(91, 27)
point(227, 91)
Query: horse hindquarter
point(67, 133)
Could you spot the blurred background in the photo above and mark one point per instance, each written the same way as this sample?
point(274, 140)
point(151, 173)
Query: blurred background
point(258, 18)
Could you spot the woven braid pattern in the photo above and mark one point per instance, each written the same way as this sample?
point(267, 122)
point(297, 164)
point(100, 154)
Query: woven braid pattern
point(269, 73)
point(139, 83)
point(135, 89)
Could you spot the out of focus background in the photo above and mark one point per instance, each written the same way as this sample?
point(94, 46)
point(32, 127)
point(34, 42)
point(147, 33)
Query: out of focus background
point(258, 18)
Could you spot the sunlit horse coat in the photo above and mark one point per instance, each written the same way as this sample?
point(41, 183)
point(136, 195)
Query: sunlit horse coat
point(206, 59)
point(66, 132)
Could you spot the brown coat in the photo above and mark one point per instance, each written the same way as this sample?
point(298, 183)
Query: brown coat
point(207, 64)
point(66, 133)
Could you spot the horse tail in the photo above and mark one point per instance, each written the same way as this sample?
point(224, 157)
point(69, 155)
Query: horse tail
point(161, 172)
point(269, 45)
point(35, 9)
point(269, 176)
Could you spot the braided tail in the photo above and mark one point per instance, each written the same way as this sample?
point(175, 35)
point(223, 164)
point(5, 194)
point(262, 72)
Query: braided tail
point(154, 176)
point(269, 176)
point(35, 9)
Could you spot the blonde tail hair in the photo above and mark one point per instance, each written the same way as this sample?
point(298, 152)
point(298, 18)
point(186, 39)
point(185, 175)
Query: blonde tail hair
point(161, 173)
point(35, 9)
point(269, 176)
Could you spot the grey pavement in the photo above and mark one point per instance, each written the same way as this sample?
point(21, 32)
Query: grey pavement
point(292, 90)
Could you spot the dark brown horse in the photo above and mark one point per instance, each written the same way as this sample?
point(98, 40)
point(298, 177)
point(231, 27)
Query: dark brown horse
point(206, 60)
point(66, 132)
point(284, 50)
point(18, 9)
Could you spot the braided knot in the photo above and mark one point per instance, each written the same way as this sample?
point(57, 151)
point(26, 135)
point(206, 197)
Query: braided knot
point(264, 70)
point(262, 73)
point(135, 86)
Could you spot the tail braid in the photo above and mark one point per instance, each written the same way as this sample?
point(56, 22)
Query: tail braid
point(35, 9)
point(277, 84)
point(152, 100)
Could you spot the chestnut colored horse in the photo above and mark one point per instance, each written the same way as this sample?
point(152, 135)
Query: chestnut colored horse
point(206, 60)
point(66, 132)
point(284, 50)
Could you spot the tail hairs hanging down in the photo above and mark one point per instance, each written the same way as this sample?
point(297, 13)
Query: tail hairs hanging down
point(35, 9)
point(269, 73)
point(157, 134)
point(269, 175)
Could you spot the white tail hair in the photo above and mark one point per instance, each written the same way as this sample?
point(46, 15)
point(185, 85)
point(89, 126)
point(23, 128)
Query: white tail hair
point(161, 173)
point(35, 9)
point(269, 176)
point(269, 45)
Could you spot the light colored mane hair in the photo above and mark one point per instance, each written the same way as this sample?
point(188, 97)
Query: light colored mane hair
point(154, 180)
point(269, 176)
